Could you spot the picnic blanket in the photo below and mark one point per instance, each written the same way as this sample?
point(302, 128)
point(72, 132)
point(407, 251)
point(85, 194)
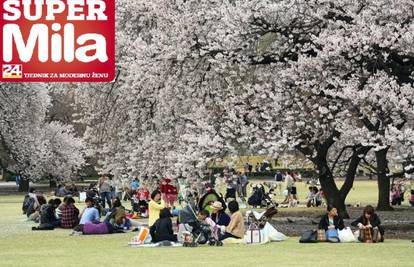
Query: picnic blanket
point(154, 245)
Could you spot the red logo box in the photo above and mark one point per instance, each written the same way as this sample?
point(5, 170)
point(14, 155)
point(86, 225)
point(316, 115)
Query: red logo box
point(57, 40)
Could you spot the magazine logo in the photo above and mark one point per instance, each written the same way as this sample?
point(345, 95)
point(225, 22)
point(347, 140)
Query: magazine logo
point(12, 71)
point(57, 40)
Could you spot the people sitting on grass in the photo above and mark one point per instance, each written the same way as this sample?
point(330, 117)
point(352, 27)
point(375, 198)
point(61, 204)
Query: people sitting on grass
point(155, 205)
point(48, 219)
point(369, 224)
point(412, 198)
point(162, 229)
point(236, 228)
point(62, 190)
point(90, 214)
point(69, 213)
point(313, 198)
point(92, 191)
point(73, 190)
point(30, 202)
point(34, 214)
point(331, 223)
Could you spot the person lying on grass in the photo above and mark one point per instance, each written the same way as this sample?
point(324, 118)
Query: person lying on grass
point(331, 223)
point(369, 224)
point(90, 214)
point(236, 228)
point(162, 229)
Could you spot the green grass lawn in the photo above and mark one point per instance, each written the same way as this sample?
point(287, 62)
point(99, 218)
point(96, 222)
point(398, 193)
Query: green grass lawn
point(19, 246)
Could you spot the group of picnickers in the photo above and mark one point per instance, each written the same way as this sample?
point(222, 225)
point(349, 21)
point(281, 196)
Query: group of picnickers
point(193, 209)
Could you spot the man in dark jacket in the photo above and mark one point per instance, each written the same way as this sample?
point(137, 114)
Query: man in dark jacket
point(162, 229)
point(48, 216)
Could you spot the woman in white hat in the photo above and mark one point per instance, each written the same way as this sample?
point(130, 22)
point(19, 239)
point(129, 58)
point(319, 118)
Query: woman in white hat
point(218, 215)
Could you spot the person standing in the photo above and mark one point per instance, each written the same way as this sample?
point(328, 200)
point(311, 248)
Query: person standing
point(279, 181)
point(239, 184)
point(244, 182)
point(105, 191)
point(18, 179)
point(246, 167)
point(257, 167)
point(289, 182)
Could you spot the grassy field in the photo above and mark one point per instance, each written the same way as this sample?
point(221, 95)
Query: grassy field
point(19, 246)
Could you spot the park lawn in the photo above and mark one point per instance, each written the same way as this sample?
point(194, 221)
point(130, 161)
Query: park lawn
point(19, 246)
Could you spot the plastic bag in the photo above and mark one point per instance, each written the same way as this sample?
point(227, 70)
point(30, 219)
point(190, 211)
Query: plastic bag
point(346, 235)
point(273, 234)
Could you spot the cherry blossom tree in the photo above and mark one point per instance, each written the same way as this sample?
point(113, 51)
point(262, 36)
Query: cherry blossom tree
point(199, 80)
point(34, 145)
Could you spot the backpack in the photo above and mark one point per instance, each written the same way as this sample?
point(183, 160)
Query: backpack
point(309, 236)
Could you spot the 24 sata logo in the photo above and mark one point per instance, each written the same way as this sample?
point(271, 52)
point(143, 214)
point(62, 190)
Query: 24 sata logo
point(57, 40)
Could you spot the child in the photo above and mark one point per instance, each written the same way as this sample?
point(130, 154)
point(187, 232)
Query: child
point(272, 193)
point(204, 216)
point(318, 199)
point(310, 197)
point(396, 196)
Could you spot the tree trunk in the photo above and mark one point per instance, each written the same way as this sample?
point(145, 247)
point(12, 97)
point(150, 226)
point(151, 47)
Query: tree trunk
point(332, 194)
point(383, 180)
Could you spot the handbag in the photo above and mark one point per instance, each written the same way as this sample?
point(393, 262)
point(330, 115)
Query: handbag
point(309, 236)
point(253, 236)
point(332, 235)
point(321, 235)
